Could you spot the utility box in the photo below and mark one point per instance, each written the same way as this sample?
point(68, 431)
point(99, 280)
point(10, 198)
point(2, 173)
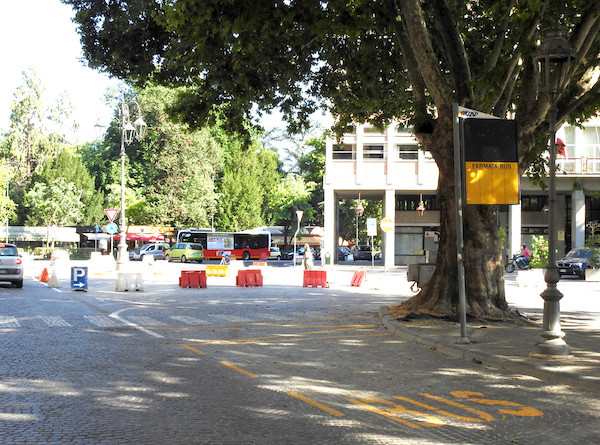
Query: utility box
point(420, 273)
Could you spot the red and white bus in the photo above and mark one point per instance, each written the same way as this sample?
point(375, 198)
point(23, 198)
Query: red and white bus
point(244, 245)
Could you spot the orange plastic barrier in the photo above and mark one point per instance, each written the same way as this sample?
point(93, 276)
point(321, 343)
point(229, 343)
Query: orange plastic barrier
point(249, 277)
point(358, 277)
point(192, 278)
point(315, 278)
point(44, 277)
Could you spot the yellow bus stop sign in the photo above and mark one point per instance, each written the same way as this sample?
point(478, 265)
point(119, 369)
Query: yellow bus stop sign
point(491, 161)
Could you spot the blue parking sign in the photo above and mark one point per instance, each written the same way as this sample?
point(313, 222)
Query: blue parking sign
point(79, 278)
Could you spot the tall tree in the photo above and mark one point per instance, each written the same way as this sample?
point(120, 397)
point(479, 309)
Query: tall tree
point(55, 204)
point(311, 166)
point(291, 195)
point(68, 165)
point(37, 132)
point(372, 61)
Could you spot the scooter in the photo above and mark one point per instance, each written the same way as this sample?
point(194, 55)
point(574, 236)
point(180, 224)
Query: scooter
point(518, 261)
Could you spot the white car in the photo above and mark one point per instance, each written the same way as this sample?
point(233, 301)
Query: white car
point(156, 250)
point(11, 265)
point(275, 253)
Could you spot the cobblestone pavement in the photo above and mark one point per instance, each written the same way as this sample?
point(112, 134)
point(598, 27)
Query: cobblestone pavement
point(265, 365)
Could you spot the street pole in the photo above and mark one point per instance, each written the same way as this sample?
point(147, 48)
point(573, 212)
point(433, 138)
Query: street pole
point(128, 131)
point(122, 257)
point(552, 59)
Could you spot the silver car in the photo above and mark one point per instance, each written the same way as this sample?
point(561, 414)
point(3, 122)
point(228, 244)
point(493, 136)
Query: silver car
point(11, 265)
point(156, 250)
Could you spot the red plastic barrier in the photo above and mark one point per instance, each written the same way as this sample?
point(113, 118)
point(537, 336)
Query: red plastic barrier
point(192, 278)
point(358, 277)
point(249, 277)
point(315, 278)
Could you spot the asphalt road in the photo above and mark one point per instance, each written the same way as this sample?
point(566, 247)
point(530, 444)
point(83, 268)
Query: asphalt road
point(256, 365)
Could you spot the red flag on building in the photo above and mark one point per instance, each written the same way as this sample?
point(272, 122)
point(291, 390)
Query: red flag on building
point(561, 148)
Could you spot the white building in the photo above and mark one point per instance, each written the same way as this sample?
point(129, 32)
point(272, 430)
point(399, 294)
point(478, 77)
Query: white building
point(389, 166)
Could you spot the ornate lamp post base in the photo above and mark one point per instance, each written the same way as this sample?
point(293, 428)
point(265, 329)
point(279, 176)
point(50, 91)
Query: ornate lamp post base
point(552, 336)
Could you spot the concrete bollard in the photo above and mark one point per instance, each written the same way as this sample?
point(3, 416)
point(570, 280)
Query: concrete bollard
point(129, 281)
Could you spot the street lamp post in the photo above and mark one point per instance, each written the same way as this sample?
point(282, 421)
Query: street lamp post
point(552, 59)
point(129, 130)
point(299, 214)
point(360, 211)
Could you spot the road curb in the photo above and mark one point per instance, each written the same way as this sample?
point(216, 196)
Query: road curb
point(524, 365)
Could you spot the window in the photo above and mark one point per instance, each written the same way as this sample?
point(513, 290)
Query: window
point(374, 152)
point(343, 151)
point(410, 203)
point(373, 131)
point(408, 240)
point(533, 203)
point(591, 140)
point(407, 152)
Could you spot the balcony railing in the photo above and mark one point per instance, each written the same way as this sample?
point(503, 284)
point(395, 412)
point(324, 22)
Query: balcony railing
point(590, 166)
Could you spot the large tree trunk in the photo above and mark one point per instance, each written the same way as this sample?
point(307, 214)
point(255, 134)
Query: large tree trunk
point(484, 270)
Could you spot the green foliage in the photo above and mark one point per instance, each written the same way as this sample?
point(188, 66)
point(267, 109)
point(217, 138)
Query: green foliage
point(502, 232)
point(539, 252)
point(593, 242)
point(312, 168)
point(55, 204)
point(68, 166)
point(291, 195)
point(7, 205)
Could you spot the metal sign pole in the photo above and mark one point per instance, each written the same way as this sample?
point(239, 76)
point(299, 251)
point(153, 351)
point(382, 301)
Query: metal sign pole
point(462, 299)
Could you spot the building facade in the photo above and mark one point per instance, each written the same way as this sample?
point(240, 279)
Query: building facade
point(389, 166)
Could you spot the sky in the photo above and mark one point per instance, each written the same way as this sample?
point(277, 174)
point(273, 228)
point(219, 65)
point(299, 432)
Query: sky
point(40, 34)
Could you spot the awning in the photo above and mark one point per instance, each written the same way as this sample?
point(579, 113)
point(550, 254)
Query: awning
point(96, 236)
point(150, 238)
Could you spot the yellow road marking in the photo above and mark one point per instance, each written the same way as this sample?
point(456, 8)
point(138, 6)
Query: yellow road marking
point(235, 368)
point(483, 415)
point(385, 413)
point(197, 351)
point(316, 404)
point(437, 410)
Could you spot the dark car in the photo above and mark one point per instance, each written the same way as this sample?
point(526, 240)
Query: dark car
point(362, 252)
point(575, 262)
point(343, 253)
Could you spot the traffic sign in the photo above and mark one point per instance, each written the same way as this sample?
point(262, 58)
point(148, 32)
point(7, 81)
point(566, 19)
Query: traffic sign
point(111, 214)
point(387, 224)
point(112, 228)
point(371, 227)
point(79, 278)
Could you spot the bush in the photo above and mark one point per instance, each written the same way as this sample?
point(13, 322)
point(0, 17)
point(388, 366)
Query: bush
point(539, 252)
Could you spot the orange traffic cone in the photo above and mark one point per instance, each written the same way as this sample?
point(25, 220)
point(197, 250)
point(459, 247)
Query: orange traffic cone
point(44, 277)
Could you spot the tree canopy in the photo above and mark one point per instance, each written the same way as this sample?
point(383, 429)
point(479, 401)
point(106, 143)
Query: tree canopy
point(371, 61)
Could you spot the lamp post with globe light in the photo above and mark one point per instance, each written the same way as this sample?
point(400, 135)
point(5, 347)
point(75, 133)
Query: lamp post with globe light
point(552, 59)
point(129, 130)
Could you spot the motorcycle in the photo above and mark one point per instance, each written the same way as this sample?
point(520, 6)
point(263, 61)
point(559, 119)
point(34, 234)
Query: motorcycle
point(518, 261)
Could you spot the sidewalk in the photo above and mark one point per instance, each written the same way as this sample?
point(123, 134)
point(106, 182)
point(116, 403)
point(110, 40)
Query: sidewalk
point(510, 345)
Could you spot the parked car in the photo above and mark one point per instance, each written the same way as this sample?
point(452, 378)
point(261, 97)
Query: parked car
point(156, 250)
point(344, 253)
point(275, 253)
point(362, 252)
point(575, 262)
point(11, 265)
point(185, 252)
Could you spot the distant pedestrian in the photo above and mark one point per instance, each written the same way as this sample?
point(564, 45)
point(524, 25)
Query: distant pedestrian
point(308, 257)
